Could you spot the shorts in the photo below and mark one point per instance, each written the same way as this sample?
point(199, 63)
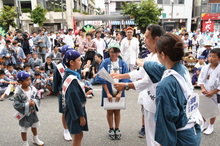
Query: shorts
point(25, 129)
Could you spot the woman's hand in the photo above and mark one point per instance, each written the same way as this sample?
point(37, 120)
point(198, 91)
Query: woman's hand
point(82, 121)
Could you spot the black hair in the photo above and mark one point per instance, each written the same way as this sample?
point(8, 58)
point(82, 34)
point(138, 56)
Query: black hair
point(99, 55)
point(37, 73)
point(7, 41)
point(49, 57)
point(186, 34)
point(2, 72)
point(10, 64)
point(42, 68)
point(27, 65)
point(89, 34)
point(123, 33)
point(116, 50)
point(216, 51)
point(83, 30)
point(156, 30)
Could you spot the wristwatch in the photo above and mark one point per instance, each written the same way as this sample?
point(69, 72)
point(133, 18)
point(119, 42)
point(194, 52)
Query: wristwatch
point(126, 86)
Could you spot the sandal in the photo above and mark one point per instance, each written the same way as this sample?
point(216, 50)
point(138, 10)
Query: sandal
point(2, 99)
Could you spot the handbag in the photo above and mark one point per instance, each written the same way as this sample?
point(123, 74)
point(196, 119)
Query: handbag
point(115, 105)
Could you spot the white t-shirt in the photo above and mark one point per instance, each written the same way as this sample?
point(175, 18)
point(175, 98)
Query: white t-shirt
point(28, 94)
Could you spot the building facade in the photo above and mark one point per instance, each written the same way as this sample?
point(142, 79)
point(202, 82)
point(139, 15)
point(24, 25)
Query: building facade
point(56, 19)
point(210, 15)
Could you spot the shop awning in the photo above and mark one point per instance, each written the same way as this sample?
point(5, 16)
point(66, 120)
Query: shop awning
point(116, 22)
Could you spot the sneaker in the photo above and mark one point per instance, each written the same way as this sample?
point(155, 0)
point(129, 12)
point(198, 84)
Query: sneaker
point(141, 133)
point(117, 134)
point(37, 141)
point(209, 130)
point(25, 143)
point(111, 134)
point(204, 126)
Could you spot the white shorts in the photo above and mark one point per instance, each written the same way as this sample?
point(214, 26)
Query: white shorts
point(25, 129)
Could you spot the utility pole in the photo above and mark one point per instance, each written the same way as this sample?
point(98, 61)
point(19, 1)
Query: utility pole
point(62, 15)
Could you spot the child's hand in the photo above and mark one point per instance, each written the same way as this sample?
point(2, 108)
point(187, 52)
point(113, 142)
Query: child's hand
point(82, 121)
point(31, 103)
point(109, 97)
point(210, 94)
point(204, 91)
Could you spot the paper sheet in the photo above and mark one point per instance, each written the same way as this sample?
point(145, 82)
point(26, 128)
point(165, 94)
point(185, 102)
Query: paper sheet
point(208, 108)
point(105, 75)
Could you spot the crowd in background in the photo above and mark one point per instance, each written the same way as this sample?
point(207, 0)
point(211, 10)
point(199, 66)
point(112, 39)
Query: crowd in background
point(38, 53)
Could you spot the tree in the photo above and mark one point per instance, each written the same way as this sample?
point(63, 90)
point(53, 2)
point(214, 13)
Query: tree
point(38, 15)
point(144, 13)
point(7, 17)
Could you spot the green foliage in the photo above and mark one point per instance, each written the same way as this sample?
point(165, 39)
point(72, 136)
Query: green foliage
point(26, 10)
point(38, 15)
point(2, 31)
point(86, 13)
point(144, 13)
point(7, 17)
point(58, 10)
point(76, 10)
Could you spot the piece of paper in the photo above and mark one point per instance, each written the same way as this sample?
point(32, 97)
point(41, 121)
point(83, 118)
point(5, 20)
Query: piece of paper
point(208, 108)
point(114, 105)
point(105, 75)
point(18, 116)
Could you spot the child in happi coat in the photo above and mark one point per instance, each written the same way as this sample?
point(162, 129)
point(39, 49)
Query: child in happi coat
point(26, 103)
point(209, 80)
point(74, 100)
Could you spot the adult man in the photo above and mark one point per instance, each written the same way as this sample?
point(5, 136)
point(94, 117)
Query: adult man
point(130, 48)
point(69, 39)
point(43, 44)
point(145, 86)
point(206, 52)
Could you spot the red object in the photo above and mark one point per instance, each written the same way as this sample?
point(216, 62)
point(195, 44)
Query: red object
point(208, 25)
point(211, 16)
point(62, 70)
point(18, 117)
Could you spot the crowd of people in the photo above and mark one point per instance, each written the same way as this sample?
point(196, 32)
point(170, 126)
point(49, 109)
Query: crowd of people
point(32, 64)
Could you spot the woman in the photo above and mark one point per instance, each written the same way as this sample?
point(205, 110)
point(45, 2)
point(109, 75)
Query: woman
point(89, 47)
point(173, 128)
point(113, 65)
point(74, 101)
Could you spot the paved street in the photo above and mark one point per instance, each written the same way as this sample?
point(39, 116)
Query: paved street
point(51, 130)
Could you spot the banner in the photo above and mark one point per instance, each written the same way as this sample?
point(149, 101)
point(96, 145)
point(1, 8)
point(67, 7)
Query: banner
point(208, 25)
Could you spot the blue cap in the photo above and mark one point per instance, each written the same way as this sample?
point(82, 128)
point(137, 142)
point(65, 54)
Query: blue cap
point(201, 57)
point(65, 48)
point(70, 55)
point(22, 75)
point(199, 68)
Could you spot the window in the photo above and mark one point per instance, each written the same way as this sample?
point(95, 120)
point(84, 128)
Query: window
point(180, 1)
point(160, 1)
point(215, 8)
point(170, 1)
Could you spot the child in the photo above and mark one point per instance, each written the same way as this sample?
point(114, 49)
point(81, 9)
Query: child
point(6, 85)
point(200, 63)
point(26, 102)
point(195, 78)
point(209, 80)
point(88, 88)
point(86, 68)
point(113, 65)
point(74, 100)
point(39, 83)
point(11, 72)
point(27, 68)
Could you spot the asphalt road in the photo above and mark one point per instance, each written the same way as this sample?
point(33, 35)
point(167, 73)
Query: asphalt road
point(51, 131)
